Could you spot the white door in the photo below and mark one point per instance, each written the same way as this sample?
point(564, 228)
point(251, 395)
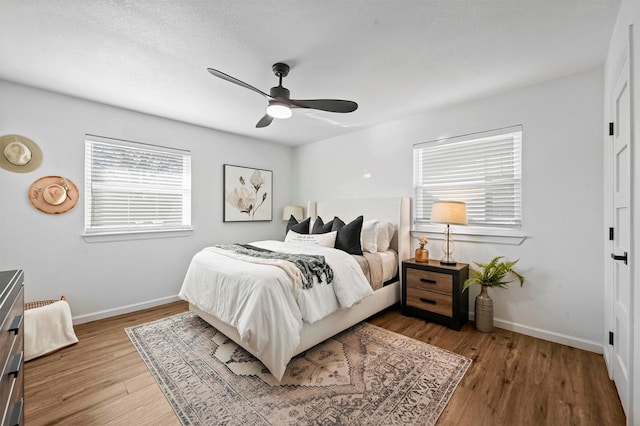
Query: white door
point(620, 277)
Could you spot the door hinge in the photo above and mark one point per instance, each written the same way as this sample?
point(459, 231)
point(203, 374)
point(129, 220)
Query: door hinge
point(611, 338)
point(611, 234)
point(611, 129)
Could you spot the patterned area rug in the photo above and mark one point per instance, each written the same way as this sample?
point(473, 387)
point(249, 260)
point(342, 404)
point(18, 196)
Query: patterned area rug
point(364, 376)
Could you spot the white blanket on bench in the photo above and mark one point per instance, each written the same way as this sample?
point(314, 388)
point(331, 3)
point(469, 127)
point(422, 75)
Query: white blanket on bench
point(47, 329)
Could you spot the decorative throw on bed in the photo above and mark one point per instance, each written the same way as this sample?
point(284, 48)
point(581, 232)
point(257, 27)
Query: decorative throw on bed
point(310, 266)
point(240, 292)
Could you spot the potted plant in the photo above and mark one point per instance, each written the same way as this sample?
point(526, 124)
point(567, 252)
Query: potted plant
point(492, 274)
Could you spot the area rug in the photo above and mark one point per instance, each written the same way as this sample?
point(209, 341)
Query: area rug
point(365, 375)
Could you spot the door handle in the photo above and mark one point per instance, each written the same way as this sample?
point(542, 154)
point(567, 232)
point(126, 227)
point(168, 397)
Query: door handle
point(617, 257)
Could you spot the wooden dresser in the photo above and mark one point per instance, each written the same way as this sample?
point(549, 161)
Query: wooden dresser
point(433, 291)
point(11, 348)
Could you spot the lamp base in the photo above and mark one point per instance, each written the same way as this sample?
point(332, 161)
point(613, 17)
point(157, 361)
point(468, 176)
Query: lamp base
point(447, 249)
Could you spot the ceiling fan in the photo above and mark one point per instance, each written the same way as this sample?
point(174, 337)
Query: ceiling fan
point(280, 104)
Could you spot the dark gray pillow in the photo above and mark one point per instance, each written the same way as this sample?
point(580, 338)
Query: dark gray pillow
point(299, 227)
point(348, 238)
point(319, 227)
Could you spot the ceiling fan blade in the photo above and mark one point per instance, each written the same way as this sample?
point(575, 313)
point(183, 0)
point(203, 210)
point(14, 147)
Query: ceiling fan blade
point(236, 81)
point(265, 121)
point(331, 105)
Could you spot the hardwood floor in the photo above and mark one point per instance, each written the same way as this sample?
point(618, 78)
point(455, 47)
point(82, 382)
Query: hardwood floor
point(513, 380)
point(516, 379)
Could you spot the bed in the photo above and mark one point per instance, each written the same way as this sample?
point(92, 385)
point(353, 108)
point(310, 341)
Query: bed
point(267, 342)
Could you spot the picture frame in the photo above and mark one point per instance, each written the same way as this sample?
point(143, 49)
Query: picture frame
point(248, 194)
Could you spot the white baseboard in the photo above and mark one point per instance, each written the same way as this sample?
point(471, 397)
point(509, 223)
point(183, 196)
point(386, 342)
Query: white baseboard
point(563, 339)
point(80, 319)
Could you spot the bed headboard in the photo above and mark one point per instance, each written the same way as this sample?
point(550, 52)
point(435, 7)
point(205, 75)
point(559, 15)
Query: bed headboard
point(396, 210)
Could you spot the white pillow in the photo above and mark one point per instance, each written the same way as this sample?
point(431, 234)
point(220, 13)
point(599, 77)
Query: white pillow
point(385, 235)
point(369, 236)
point(325, 240)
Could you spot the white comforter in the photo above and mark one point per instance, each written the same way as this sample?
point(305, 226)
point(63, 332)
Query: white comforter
point(260, 300)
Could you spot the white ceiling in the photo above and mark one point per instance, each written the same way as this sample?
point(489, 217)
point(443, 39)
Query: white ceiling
point(393, 57)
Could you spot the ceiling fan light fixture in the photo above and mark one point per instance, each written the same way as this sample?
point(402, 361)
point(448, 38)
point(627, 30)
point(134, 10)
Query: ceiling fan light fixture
point(279, 110)
point(280, 102)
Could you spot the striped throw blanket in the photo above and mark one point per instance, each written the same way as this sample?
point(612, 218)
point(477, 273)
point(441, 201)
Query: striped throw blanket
point(301, 268)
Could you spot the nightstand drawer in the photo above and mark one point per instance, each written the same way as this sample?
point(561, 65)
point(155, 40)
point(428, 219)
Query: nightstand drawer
point(429, 280)
point(430, 301)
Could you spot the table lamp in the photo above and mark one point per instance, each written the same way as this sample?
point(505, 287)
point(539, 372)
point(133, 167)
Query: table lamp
point(449, 213)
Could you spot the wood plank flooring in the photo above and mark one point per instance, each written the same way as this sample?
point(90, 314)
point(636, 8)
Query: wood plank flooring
point(513, 380)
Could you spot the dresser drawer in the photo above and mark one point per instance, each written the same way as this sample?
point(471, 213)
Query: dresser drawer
point(11, 347)
point(8, 308)
point(430, 281)
point(430, 301)
point(11, 385)
point(11, 363)
point(11, 333)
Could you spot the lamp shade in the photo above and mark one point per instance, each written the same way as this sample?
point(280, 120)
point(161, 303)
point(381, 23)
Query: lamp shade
point(295, 211)
point(449, 212)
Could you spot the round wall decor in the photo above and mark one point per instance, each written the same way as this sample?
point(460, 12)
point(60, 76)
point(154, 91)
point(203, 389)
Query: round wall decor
point(53, 194)
point(19, 154)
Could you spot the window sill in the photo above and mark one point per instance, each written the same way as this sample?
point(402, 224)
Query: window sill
point(135, 235)
point(472, 234)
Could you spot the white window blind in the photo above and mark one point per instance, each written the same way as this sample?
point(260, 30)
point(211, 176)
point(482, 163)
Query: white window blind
point(132, 187)
point(482, 169)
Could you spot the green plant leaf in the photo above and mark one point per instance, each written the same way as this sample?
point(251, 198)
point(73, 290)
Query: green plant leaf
point(493, 274)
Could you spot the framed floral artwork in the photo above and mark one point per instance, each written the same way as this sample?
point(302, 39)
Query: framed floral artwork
point(248, 194)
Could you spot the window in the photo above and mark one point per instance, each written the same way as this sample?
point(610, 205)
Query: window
point(132, 187)
point(481, 169)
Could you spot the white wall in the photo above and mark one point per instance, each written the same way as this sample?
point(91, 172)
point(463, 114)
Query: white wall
point(562, 197)
point(562, 173)
point(105, 278)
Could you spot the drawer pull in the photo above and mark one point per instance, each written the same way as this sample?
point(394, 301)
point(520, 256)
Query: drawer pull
point(432, 302)
point(16, 324)
point(428, 281)
point(14, 366)
point(16, 413)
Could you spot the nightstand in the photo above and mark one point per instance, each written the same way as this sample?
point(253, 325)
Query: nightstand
point(434, 292)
